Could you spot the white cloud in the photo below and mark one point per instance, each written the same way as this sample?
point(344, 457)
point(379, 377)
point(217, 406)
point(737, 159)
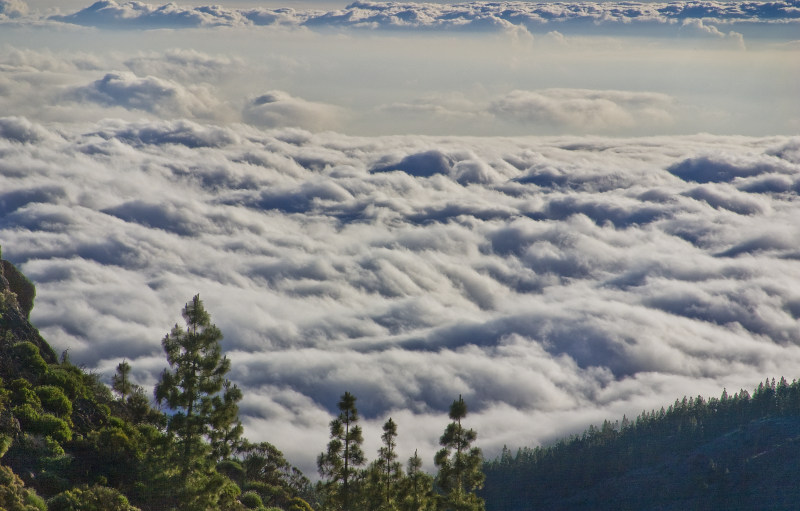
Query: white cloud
point(520, 18)
point(185, 66)
point(13, 8)
point(698, 27)
point(20, 129)
point(555, 281)
point(135, 14)
point(149, 94)
point(275, 109)
point(585, 110)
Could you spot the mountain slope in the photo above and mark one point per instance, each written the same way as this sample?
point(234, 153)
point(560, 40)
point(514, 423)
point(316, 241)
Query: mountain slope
point(67, 443)
point(739, 452)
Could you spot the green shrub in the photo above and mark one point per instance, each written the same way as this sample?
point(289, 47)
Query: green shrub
point(22, 393)
point(53, 447)
point(50, 483)
point(231, 469)
point(67, 378)
point(34, 501)
point(298, 504)
point(54, 400)
point(229, 493)
point(14, 496)
point(29, 359)
point(267, 491)
point(96, 498)
point(27, 416)
point(4, 396)
point(50, 425)
point(251, 500)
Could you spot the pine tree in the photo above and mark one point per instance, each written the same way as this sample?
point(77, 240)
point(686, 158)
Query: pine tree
point(459, 464)
point(226, 428)
point(120, 382)
point(383, 477)
point(390, 469)
point(339, 464)
point(417, 487)
point(204, 404)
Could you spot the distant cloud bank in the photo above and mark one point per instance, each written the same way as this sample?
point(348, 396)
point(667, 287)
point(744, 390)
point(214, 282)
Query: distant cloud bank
point(589, 17)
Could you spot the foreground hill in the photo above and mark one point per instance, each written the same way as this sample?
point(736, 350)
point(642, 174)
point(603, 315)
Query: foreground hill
point(68, 443)
point(733, 452)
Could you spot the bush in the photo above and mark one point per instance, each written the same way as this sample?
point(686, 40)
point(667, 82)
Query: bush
point(29, 359)
point(268, 492)
point(228, 495)
point(5, 443)
point(27, 416)
point(50, 425)
point(50, 483)
point(251, 500)
point(298, 504)
point(14, 496)
point(96, 498)
point(54, 400)
point(68, 378)
point(34, 501)
point(22, 393)
point(231, 469)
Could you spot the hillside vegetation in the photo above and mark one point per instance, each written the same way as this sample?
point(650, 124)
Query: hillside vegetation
point(739, 451)
point(69, 442)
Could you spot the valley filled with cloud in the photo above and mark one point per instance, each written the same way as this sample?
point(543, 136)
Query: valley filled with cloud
point(563, 212)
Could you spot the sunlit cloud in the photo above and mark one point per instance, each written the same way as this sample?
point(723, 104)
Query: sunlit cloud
point(568, 279)
point(412, 201)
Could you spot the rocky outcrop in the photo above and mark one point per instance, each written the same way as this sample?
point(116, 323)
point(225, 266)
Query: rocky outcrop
point(18, 284)
point(16, 301)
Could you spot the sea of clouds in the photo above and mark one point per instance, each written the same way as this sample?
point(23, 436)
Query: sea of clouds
point(553, 282)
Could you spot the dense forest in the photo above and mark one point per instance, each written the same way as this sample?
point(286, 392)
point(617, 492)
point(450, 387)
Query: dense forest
point(734, 452)
point(69, 442)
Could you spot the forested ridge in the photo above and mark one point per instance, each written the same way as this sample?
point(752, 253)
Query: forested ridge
point(739, 451)
point(69, 442)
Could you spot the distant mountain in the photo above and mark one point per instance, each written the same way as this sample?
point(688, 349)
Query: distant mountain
point(739, 452)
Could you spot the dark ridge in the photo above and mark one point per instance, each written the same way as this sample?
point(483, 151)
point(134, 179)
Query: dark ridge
point(737, 452)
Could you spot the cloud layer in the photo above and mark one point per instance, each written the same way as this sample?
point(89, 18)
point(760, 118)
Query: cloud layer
point(551, 281)
point(632, 17)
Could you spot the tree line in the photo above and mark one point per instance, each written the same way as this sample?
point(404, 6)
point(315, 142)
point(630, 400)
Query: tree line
point(68, 442)
point(382, 485)
point(730, 452)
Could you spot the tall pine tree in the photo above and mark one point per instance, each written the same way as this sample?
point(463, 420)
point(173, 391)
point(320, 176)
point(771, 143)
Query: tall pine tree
point(121, 381)
point(384, 475)
point(459, 464)
point(203, 404)
point(416, 488)
point(390, 468)
point(338, 465)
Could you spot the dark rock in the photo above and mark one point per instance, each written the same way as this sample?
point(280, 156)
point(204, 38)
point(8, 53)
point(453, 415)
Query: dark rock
point(16, 301)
